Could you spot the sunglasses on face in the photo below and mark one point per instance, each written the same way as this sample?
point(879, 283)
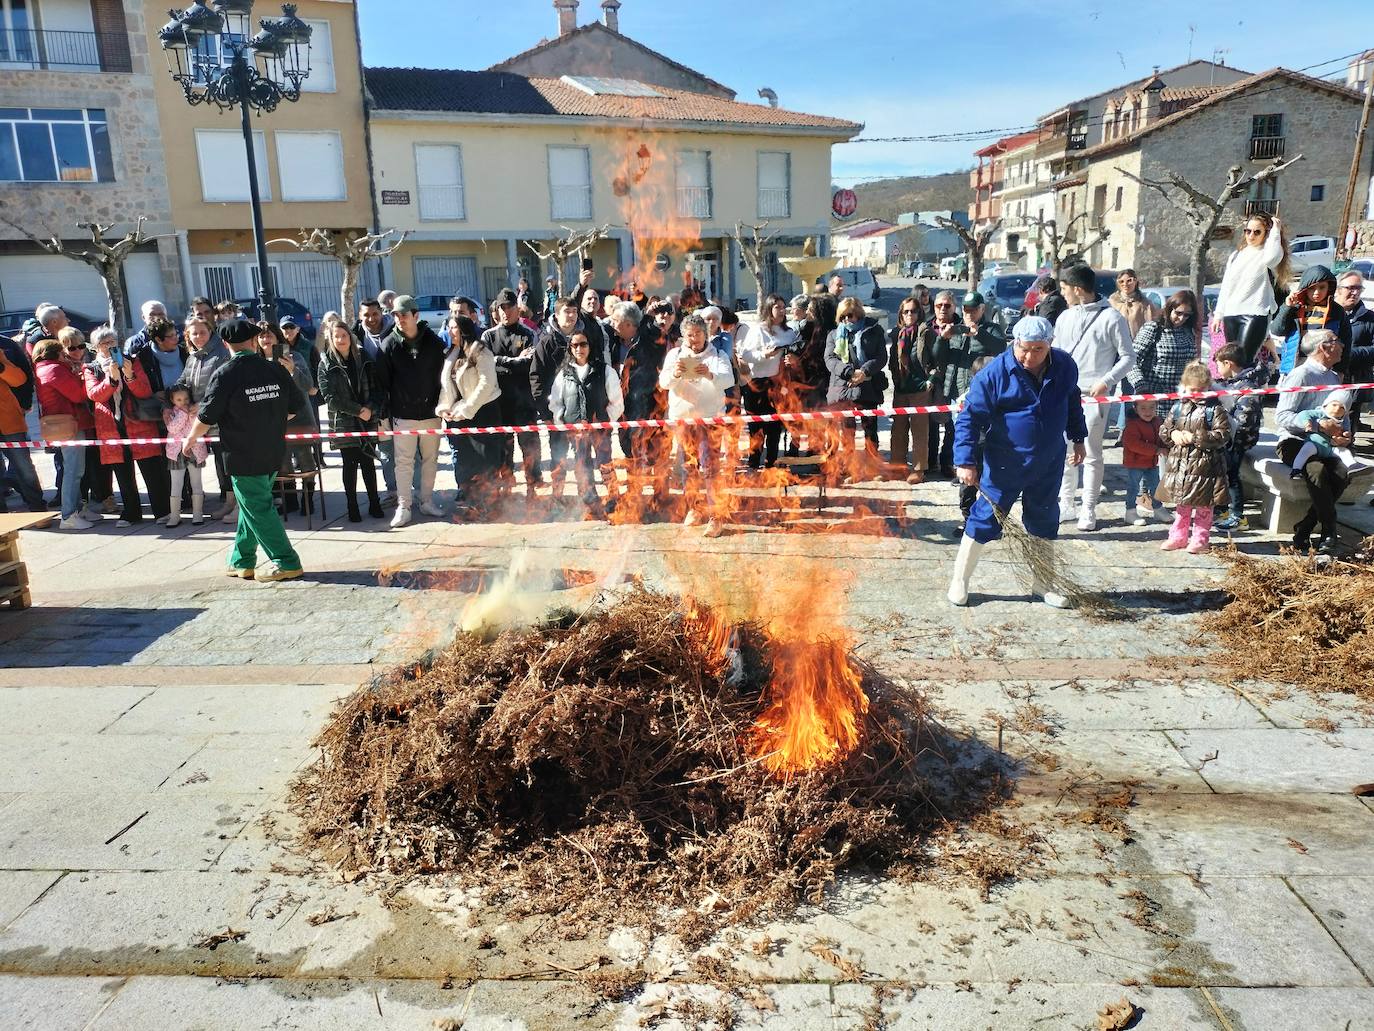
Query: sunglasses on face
point(1254, 232)
point(76, 347)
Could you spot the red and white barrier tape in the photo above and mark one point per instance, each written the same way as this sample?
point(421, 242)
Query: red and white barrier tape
point(649, 424)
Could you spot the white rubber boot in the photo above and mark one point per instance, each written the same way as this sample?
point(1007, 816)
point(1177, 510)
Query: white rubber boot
point(174, 516)
point(197, 509)
point(1038, 589)
point(964, 564)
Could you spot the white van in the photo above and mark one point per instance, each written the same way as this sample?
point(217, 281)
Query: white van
point(953, 267)
point(1306, 251)
point(858, 281)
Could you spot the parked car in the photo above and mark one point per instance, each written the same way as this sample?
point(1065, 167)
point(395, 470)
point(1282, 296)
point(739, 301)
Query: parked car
point(1365, 267)
point(434, 309)
point(859, 281)
point(11, 322)
point(1312, 250)
point(1008, 291)
point(285, 306)
point(953, 267)
point(1158, 295)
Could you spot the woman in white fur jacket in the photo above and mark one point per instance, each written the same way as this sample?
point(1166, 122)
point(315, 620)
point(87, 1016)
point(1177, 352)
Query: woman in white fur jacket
point(469, 397)
point(696, 378)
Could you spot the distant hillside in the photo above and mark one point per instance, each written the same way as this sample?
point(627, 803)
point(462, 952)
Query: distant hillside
point(888, 198)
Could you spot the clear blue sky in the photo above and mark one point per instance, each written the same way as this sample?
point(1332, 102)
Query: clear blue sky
point(901, 73)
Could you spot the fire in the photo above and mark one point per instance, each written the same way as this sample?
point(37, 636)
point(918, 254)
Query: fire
point(815, 703)
point(645, 182)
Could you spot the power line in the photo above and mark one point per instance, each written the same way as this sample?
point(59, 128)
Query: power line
point(974, 135)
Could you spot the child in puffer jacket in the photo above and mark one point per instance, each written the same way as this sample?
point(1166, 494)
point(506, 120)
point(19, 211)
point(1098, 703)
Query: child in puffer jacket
point(1141, 448)
point(180, 417)
point(1196, 432)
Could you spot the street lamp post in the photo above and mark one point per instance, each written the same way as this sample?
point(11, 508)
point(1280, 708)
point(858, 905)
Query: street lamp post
point(210, 53)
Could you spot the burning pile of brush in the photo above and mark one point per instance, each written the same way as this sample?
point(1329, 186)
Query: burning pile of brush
point(1300, 620)
point(651, 753)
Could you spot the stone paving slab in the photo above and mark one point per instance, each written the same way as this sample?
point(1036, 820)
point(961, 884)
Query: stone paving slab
point(1088, 705)
point(1345, 906)
point(999, 1006)
point(231, 710)
point(19, 889)
point(244, 764)
point(1280, 760)
point(1295, 708)
point(91, 762)
point(56, 1004)
point(1330, 1009)
point(42, 711)
point(1240, 835)
point(1144, 756)
point(101, 831)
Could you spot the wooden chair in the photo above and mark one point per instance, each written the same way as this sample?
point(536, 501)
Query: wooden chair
point(303, 481)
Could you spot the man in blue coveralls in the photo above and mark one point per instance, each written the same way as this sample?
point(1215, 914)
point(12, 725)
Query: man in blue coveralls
point(1018, 412)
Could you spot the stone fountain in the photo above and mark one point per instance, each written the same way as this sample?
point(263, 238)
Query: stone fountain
point(807, 267)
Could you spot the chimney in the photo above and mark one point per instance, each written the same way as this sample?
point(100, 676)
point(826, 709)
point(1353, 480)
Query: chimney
point(610, 10)
point(1153, 89)
point(567, 15)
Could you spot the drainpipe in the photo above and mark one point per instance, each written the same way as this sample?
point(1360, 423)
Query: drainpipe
point(184, 253)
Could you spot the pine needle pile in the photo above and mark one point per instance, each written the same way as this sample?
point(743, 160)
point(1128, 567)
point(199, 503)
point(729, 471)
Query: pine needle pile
point(1300, 620)
point(598, 765)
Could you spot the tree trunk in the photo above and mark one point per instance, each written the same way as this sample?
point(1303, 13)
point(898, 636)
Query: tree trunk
point(114, 299)
point(1198, 279)
point(348, 291)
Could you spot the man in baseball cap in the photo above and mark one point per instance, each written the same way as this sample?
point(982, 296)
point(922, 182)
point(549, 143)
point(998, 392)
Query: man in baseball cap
point(1019, 409)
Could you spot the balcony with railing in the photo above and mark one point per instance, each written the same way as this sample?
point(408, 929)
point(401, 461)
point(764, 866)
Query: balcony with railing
point(572, 202)
point(64, 51)
point(1263, 206)
point(1266, 148)
point(694, 202)
point(775, 202)
point(442, 203)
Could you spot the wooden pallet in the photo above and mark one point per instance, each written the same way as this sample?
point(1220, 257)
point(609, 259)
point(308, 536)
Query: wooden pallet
point(14, 575)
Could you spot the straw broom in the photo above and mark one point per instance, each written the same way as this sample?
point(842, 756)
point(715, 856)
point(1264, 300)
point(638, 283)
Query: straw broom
point(1033, 559)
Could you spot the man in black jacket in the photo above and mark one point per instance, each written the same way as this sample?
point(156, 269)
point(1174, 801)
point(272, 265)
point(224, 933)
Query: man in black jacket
point(250, 399)
point(409, 368)
point(1051, 304)
point(513, 346)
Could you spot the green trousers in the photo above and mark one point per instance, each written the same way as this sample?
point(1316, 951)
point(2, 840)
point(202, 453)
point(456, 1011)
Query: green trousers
point(259, 524)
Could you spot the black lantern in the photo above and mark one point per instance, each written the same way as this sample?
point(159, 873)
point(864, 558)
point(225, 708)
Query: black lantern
point(214, 60)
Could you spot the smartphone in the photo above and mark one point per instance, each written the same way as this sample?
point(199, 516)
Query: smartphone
point(587, 265)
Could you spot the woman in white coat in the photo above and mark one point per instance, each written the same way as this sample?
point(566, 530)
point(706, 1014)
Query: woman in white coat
point(469, 397)
point(696, 377)
point(1254, 272)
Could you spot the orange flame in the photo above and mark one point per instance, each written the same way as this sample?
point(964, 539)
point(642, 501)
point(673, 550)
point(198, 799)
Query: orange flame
point(818, 702)
point(645, 181)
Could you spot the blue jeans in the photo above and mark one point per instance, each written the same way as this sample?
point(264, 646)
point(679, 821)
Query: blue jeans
point(22, 476)
point(1138, 482)
point(73, 466)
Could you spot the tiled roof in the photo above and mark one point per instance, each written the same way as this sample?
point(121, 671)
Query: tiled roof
point(1133, 84)
point(1235, 89)
point(438, 89)
point(1170, 94)
point(596, 26)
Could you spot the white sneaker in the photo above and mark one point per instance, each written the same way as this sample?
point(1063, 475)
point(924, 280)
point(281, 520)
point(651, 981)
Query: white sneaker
point(1087, 520)
point(401, 518)
point(75, 521)
point(91, 513)
point(692, 519)
point(712, 529)
point(1140, 521)
point(430, 509)
point(1067, 513)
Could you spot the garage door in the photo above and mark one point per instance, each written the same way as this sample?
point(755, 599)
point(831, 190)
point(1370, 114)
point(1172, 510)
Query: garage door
point(450, 276)
point(29, 279)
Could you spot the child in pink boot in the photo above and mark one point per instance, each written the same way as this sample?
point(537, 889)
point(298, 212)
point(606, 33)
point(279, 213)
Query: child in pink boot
point(1197, 433)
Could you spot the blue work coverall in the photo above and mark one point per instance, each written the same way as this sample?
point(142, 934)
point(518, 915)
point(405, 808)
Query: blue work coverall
point(1021, 426)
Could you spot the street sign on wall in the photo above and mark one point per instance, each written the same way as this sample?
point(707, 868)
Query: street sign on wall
point(844, 203)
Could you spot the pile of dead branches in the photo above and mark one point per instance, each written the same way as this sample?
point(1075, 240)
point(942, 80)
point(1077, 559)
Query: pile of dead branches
point(599, 764)
point(1297, 620)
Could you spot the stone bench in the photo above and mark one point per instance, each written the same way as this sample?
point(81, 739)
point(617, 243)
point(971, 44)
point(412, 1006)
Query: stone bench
point(1283, 500)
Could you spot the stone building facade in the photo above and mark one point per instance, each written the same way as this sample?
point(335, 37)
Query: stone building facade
point(1273, 114)
point(115, 79)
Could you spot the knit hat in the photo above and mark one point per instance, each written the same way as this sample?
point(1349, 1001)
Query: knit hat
point(1343, 396)
point(238, 331)
point(1032, 327)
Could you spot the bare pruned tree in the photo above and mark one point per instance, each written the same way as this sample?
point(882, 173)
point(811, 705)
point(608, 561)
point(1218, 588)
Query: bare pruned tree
point(350, 249)
point(1204, 211)
point(1064, 248)
point(105, 256)
point(576, 242)
point(975, 243)
point(752, 251)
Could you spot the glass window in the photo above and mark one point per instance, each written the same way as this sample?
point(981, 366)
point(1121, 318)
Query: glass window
point(321, 78)
point(9, 156)
point(224, 165)
point(570, 182)
point(35, 151)
point(775, 182)
point(1318, 192)
point(310, 165)
point(73, 153)
point(439, 177)
point(100, 150)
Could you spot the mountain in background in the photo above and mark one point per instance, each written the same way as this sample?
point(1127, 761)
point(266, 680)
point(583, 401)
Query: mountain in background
point(888, 198)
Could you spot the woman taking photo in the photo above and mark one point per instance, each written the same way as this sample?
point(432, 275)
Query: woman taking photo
point(1255, 272)
point(114, 385)
point(346, 384)
point(760, 362)
point(65, 415)
point(469, 396)
point(856, 355)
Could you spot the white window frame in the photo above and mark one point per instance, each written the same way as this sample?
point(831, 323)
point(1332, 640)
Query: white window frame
point(461, 186)
point(282, 163)
point(554, 212)
point(11, 127)
point(787, 180)
point(686, 202)
point(260, 154)
point(313, 84)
